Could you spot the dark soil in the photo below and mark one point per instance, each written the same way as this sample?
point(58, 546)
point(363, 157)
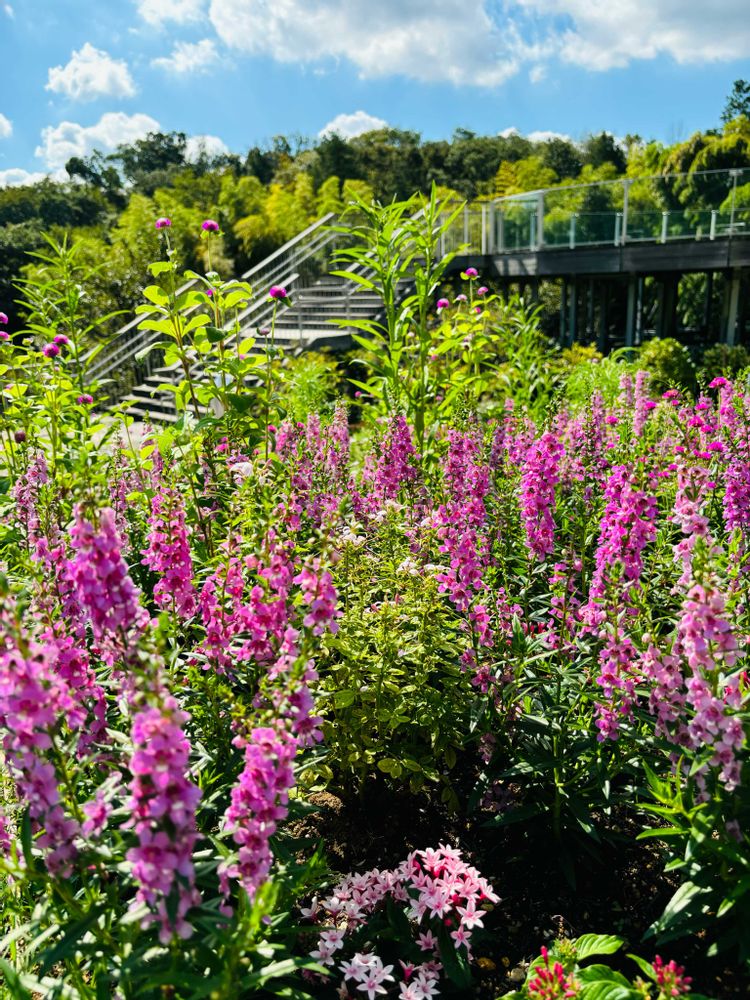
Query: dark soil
point(619, 892)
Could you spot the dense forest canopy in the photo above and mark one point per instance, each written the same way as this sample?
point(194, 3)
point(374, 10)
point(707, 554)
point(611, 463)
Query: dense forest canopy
point(261, 199)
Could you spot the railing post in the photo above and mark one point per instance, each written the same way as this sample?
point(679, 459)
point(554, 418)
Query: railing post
point(625, 199)
point(540, 220)
point(664, 223)
point(484, 229)
point(712, 231)
point(532, 234)
point(572, 231)
point(491, 228)
point(618, 223)
point(734, 174)
point(501, 232)
point(466, 224)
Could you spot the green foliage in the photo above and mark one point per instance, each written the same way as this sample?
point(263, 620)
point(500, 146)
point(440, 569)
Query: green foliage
point(669, 364)
point(721, 359)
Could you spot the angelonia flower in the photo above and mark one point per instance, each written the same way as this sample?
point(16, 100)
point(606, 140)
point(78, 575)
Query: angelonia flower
point(168, 553)
point(85, 399)
point(51, 350)
point(277, 292)
point(105, 587)
point(210, 226)
point(163, 223)
point(442, 304)
point(539, 478)
point(162, 807)
point(259, 803)
point(34, 698)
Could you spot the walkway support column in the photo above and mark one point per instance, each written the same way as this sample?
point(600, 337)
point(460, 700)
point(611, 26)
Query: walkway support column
point(602, 339)
point(735, 282)
point(668, 288)
point(632, 310)
point(564, 313)
point(572, 313)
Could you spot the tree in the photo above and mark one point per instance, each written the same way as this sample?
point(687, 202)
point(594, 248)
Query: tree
point(738, 102)
point(563, 157)
point(148, 163)
point(602, 148)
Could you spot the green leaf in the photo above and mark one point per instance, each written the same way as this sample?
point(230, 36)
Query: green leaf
point(608, 991)
point(646, 967)
point(601, 974)
point(215, 334)
point(12, 980)
point(238, 402)
point(160, 267)
point(156, 295)
point(343, 699)
point(597, 944)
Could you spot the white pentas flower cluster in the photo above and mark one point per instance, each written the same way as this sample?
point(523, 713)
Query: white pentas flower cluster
point(435, 887)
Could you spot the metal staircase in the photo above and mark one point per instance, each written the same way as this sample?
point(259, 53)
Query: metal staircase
point(136, 375)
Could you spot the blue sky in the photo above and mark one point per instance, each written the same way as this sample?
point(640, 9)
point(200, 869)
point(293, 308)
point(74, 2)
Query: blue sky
point(85, 74)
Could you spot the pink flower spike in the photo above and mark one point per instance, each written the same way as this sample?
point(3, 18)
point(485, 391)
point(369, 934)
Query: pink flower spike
point(163, 223)
point(210, 226)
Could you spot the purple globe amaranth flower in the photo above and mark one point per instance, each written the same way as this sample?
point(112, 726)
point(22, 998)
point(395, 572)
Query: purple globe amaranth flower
point(471, 273)
point(51, 350)
point(3, 319)
point(19, 436)
point(277, 292)
point(461, 298)
point(443, 303)
point(60, 339)
point(85, 399)
point(210, 226)
point(163, 223)
point(4, 335)
point(482, 290)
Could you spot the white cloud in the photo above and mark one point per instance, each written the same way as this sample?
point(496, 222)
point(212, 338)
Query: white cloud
point(189, 57)
point(157, 12)
point(15, 176)
point(428, 40)
point(543, 135)
point(60, 142)
point(209, 145)
point(347, 126)
point(91, 73)
point(480, 42)
point(601, 36)
point(6, 127)
point(9, 10)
